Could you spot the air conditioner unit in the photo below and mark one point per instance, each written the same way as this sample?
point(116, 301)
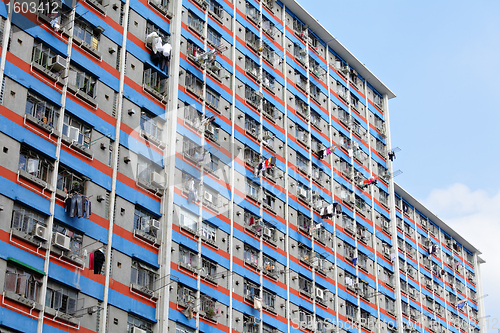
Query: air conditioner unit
point(40, 231)
point(387, 251)
point(61, 241)
point(157, 179)
point(303, 192)
point(429, 284)
point(386, 224)
point(268, 232)
point(155, 224)
point(57, 63)
point(267, 135)
point(208, 196)
point(319, 293)
point(315, 193)
point(210, 129)
point(215, 66)
point(138, 330)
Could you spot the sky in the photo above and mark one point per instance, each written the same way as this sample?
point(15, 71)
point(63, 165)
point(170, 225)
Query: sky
point(442, 60)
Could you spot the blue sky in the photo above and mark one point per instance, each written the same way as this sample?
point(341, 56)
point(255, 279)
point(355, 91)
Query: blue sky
point(442, 60)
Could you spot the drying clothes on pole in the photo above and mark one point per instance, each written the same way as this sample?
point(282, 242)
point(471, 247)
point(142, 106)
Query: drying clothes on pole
point(207, 159)
point(325, 152)
point(91, 261)
point(263, 166)
point(99, 260)
point(257, 303)
point(369, 181)
point(391, 155)
point(78, 205)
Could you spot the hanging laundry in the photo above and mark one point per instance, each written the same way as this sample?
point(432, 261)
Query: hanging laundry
point(354, 261)
point(369, 181)
point(99, 260)
point(251, 221)
point(349, 281)
point(325, 152)
point(257, 303)
point(392, 155)
point(75, 205)
point(207, 159)
point(393, 257)
point(462, 303)
point(91, 261)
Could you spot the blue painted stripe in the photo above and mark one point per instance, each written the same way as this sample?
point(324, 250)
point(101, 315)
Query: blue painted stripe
point(19, 193)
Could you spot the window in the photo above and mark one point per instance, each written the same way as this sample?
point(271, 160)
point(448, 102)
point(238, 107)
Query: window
point(302, 163)
point(189, 221)
point(251, 156)
point(301, 107)
point(185, 296)
point(268, 27)
point(304, 222)
point(26, 220)
point(315, 119)
point(316, 68)
point(252, 13)
point(86, 33)
point(22, 282)
point(209, 268)
point(384, 198)
point(192, 116)
point(155, 82)
point(251, 256)
point(213, 37)
point(269, 55)
point(314, 90)
point(194, 84)
point(305, 285)
point(212, 98)
point(269, 200)
point(142, 324)
point(252, 68)
point(380, 146)
point(43, 55)
point(300, 81)
point(82, 81)
point(351, 310)
point(69, 182)
point(62, 298)
point(41, 110)
point(253, 97)
point(252, 189)
point(390, 305)
point(270, 266)
point(34, 164)
point(183, 329)
point(187, 258)
point(302, 135)
point(75, 238)
point(76, 131)
point(192, 151)
point(250, 325)
point(216, 9)
point(300, 53)
point(208, 232)
point(151, 27)
point(342, 91)
point(196, 24)
point(268, 139)
point(349, 252)
point(250, 290)
point(268, 299)
point(306, 319)
point(268, 81)
point(151, 125)
point(252, 40)
point(142, 221)
point(143, 275)
point(252, 127)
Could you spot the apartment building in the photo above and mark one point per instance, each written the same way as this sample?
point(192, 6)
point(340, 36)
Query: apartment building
point(194, 165)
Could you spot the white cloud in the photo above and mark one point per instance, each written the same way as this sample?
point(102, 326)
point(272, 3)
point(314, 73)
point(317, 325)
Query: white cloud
point(475, 215)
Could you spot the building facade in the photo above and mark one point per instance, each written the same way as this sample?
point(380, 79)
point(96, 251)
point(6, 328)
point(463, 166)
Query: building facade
point(174, 166)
